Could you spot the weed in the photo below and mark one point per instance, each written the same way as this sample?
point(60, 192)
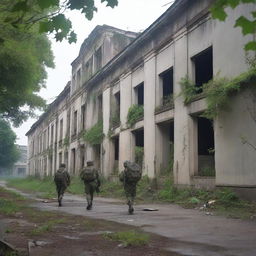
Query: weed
point(8, 207)
point(95, 134)
point(135, 113)
point(128, 238)
point(46, 227)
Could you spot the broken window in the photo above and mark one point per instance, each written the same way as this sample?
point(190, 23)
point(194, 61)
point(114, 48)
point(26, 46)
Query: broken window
point(98, 59)
point(82, 158)
point(60, 158)
point(116, 144)
point(100, 110)
point(139, 146)
point(115, 111)
point(203, 67)
point(166, 84)
point(206, 166)
point(61, 130)
point(139, 94)
point(75, 123)
point(83, 116)
point(73, 151)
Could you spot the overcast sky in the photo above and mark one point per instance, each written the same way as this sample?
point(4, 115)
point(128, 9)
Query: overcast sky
point(133, 15)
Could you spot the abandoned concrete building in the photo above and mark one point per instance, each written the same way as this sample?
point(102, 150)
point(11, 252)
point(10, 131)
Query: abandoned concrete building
point(125, 102)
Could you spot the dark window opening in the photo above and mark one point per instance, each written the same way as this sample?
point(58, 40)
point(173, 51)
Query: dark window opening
point(60, 158)
point(116, 142)
point(83, 113)
point(167, 81)
point(98, 59)
point(139, 138)
point(140, 94)
point(21, 171)
point(73, 160)
point(75, 123)
point(203, 67)
point(61, 129)
point(82, 157)
point(100, 111)
point(206, 165)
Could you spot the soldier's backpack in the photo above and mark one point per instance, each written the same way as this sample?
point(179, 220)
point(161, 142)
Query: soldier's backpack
point(88, 174)
point(133, 172)
point(59, 176)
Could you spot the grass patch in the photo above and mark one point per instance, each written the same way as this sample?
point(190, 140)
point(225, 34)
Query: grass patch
point(8, 207)
point(47, 227)
point(128, 238)
point(112, 189)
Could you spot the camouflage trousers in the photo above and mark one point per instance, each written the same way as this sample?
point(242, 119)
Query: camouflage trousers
point(60, 187)
point(130, 192)
point(89, 189)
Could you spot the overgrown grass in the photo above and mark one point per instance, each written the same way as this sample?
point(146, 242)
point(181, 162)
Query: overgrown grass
point(8, 207)
point(47, 227)
point(128, 238)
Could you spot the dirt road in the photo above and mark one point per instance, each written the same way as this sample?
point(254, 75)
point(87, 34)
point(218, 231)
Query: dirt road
point(192, 232)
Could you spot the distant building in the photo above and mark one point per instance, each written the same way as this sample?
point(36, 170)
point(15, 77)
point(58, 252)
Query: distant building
point(20, 167)
point(117, 69)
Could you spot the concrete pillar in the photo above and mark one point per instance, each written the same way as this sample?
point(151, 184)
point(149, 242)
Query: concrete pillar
point(125, 139)
point(107, 152)
point(182, 120)
point(149, 115)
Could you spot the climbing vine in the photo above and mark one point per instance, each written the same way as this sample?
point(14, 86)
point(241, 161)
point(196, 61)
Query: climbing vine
point(135, 113)
point(217, 91)
point(95, 135)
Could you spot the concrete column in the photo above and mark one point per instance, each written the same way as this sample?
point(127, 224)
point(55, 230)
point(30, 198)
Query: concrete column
point(125, 139)
point(107, 152)
point(149, 115)
point(182, 120)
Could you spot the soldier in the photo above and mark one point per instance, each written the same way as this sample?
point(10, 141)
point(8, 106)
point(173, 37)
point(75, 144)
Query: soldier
point(90, 177)
point(62, 181)
point(130, 177)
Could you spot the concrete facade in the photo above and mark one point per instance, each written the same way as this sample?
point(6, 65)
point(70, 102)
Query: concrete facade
point(117, 69)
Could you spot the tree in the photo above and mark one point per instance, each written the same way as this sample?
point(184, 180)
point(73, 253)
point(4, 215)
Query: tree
point(24, 56)
point(50, 14)
point(247, 25)
point(9, 153)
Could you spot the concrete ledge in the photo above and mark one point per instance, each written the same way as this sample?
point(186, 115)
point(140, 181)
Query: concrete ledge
point(197, 106)
point(164, 116)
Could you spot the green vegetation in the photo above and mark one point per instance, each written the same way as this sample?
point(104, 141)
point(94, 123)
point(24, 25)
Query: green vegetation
point(47, 227)
point(115, 119)
point(94, 135)
point(207, 171)
point(9, 153)
point(167, 103)
point(128, 238)
point(135, 113)
point(248, 26)
point(8, 207)
point(217, 91)
point(66, 142)
point(139, 155)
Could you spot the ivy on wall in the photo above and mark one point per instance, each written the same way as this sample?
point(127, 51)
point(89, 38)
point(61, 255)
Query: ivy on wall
point(135, 113)
point(218, 90)
point(94, 135)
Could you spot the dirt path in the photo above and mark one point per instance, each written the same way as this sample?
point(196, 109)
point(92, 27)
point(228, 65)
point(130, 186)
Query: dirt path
point(192, 232)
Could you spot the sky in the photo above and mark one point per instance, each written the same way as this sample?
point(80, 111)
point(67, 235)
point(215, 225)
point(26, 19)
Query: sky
point(133, 15)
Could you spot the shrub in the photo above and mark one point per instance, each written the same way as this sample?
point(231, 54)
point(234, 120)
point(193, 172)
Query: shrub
point(135, 113)
point(94, 135)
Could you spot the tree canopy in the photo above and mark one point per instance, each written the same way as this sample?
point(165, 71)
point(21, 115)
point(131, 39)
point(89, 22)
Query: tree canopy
point(50, 14)
point(9, 153)
point(24, 56)
point(247, 25)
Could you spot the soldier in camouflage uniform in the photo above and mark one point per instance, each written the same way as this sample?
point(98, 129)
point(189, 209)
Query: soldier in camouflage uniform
point(62, 181)
point(90, 177)
point(129, 187)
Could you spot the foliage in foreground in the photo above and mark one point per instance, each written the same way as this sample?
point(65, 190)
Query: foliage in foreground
point(9, 153)
point(128, 238)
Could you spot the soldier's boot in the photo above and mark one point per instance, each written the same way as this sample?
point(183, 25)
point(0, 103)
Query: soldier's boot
point(89, 203)
point(59, 200)
point(130, 210)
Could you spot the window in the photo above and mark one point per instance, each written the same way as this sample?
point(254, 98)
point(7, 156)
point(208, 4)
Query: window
point(203, 67)
point(83, 117)
point(139, 94)
point(75, 123)
point(61, 130)
point(166, 86)
point(98, 59)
